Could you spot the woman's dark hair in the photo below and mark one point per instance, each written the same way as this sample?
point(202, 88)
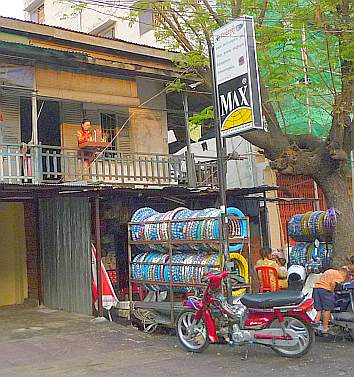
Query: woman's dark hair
point(266, 252)
point(84, 120)
point(351, 259)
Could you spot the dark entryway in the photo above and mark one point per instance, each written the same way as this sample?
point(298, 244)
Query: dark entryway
point(48, 121)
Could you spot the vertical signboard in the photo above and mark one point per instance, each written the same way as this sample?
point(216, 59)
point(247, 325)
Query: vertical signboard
point(236, 76)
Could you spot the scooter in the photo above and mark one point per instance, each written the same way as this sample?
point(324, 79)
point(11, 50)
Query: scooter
point(343, 314)
point(280, 320)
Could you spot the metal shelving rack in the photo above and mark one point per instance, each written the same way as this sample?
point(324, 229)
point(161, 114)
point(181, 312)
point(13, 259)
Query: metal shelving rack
point(171, 244)
point(327, 243)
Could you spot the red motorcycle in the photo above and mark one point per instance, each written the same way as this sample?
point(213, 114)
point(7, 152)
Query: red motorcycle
point(280, 320)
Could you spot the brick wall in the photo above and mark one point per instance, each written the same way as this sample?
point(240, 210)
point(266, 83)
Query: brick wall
point(32, 251)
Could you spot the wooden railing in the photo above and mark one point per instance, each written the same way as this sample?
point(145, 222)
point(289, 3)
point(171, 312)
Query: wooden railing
point(206, 172)
point(23, 164)
point(50, 164)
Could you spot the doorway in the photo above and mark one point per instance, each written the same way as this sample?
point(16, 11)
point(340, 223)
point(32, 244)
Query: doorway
point(13, 269)
point(48, 121)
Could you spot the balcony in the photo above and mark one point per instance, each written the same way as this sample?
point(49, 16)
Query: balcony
point(44, 164)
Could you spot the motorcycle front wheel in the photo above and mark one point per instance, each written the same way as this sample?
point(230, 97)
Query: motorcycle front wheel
point(304, 332)
point(191, 334)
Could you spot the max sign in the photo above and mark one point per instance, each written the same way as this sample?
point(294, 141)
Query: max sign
point(236, 74)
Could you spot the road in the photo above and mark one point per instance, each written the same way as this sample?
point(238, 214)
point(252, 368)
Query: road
point(45, 343)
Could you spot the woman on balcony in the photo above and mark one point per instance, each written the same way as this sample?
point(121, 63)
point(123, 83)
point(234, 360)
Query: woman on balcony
point(85, 157)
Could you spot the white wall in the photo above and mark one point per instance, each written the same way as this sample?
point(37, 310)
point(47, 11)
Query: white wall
point(240, 173)
point(59, 13)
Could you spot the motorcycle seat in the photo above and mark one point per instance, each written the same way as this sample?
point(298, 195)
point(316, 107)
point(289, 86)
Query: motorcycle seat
point(272, 299)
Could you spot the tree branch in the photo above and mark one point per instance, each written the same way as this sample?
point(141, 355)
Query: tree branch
point(236, 7)
point(340, 139)
point(263, 12)
point(213, 13)
point(178, 35)
point(306, 141)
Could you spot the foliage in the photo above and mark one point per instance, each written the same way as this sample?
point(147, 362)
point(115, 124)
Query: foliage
point(204, 117)
point(305, 55)
point(291, 35)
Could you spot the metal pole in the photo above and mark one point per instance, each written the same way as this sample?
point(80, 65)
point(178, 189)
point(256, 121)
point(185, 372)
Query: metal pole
point(34, 138)
point(190, 164)
point(98, 255)
point(317, 201)
point(37, 158)
point(306, 79)
point(224, 239)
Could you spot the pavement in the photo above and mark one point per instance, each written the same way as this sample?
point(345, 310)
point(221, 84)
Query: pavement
point(39, 342)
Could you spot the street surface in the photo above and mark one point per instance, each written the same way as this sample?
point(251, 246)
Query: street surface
point(42, 342)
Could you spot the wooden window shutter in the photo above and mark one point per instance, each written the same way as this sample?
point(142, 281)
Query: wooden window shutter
point(124, 142)
point(40, 14)
point(10, 130)
point(72, 112)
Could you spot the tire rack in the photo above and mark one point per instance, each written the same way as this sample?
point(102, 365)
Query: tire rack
point(171, 246)
point(327, 243)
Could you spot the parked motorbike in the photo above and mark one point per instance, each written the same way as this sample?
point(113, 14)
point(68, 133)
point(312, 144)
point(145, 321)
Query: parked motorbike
point(343, 314)
point(280, 320)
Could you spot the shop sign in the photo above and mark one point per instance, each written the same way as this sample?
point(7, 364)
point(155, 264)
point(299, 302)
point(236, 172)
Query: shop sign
point(236, 74)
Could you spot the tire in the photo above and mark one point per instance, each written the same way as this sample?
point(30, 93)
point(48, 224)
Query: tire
point(306, 337)
point(199, 341)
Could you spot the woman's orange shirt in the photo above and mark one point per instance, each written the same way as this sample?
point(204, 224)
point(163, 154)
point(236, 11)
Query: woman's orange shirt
point(83, 136)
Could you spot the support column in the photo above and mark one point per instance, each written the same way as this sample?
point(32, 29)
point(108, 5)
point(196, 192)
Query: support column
point(98, 255)
point(189, 160)
point(35, 148)
point(221, 158)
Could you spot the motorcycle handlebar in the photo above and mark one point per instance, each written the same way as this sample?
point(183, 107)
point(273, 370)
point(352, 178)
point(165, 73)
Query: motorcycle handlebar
point(206, 277)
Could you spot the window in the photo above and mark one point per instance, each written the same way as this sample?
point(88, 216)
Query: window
point(110, 125)
point(108, 33)
point(109, 128)
point(146, 21)
point(38, 14)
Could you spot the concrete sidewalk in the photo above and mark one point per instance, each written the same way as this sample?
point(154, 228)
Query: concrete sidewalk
point(40, 342)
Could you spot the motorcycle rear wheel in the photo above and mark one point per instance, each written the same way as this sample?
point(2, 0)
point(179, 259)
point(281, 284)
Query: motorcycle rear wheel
point(197, 341)
point(303, 330)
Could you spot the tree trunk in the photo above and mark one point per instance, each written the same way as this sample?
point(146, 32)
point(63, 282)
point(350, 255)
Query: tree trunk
point(334, 187)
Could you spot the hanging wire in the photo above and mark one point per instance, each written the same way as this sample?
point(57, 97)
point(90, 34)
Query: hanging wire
point(166, 11)
point(133, 113)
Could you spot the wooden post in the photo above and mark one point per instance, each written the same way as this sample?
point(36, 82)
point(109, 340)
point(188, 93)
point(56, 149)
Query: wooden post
point(98, 255)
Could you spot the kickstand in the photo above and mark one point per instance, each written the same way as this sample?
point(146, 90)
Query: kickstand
point(245, 357)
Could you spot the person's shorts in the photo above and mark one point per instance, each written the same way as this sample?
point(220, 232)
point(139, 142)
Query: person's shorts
point(324, 300)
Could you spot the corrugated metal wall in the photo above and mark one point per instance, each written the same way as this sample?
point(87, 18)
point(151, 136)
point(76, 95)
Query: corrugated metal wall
point(65, 254)
point(297, 186)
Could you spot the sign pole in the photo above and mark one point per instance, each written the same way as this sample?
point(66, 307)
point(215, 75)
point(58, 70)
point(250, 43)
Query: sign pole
point(221, 163)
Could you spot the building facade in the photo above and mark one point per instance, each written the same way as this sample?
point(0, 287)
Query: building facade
point(49, 202)
point(109, 22)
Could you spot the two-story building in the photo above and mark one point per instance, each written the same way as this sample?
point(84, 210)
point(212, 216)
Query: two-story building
point(53, 200)
point(51, 78)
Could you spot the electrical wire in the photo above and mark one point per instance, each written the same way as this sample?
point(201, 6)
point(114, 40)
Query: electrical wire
point(201, 13)
point(132, 114)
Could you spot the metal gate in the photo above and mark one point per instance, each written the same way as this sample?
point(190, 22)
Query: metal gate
point(66, 254)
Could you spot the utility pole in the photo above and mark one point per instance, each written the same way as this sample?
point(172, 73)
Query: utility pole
point(309, 126)
point(221, 160)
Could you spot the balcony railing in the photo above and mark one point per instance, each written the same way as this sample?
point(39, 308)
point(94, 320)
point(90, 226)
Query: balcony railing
point(50, 164)
point(24, 164)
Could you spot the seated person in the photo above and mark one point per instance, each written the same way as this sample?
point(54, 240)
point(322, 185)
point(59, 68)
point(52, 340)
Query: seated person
point(351, 269)
point(266, 254)
point(282, 273)
point(323, 293)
